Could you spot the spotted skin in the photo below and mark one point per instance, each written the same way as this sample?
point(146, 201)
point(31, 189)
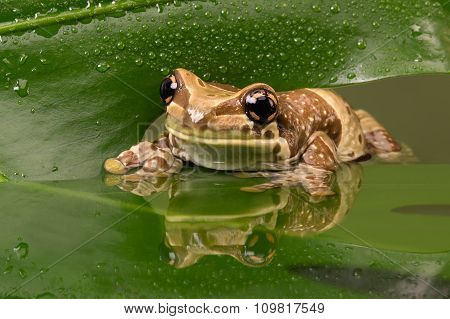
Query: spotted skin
point(321, 152)
point(378, 140)
point(212, 125)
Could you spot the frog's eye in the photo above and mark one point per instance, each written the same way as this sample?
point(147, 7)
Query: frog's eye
point(168, 88)
point(261, 106)
point(259, 248)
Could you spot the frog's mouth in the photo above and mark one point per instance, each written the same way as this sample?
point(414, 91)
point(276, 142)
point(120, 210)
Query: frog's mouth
point(229, 149)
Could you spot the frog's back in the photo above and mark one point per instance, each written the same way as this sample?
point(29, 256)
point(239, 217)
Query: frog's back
point(350, 143)
point(305, 112)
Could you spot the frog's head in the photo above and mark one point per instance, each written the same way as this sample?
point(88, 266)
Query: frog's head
point(223, 127)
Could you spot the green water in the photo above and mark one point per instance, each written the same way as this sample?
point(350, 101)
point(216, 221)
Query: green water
point(384, 234)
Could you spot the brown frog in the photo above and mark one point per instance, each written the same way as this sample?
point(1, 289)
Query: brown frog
point(301, 135)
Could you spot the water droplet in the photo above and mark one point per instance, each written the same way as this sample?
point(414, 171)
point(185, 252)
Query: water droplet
point(22, 273)
point(21, 250)
point(54, 168)
point(206, 76)
point(361, 44)
point(7, 270)
point(46, 295)
point(415, 30)
point(258, 9)
point(223, 69)
point(198, 6)
point(335, 8)
point(224, 13)
point(102, 67)
point(299, 41)
point(283, 56)
point(33, 110)
point(3, 178)
point(120, 45)
point(151, 55)
point(139, 61)
point(270, 56)
point(23, 58)
point(351, 75)
point(315, 8)
point(43, 270)
point(357, 272)
point(165, 71)
point(100, 265)
point(21, 88)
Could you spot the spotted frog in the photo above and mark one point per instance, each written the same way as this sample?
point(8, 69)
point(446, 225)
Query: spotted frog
point(298, 136)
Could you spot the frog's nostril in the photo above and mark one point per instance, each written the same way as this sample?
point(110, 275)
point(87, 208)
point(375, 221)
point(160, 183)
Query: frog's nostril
point(201, 83)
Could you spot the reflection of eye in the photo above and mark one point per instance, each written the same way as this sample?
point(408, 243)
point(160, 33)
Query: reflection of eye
point(261, 106)
point(168, 88)
point(259, 248)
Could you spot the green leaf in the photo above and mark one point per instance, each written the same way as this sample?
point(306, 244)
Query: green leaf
point(83, 239)
point(79, 82)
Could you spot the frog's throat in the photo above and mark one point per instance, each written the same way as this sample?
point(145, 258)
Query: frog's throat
point(232, 152)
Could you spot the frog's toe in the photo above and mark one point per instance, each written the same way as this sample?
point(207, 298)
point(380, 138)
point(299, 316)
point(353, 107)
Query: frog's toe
point(260, 187)
point(133, 178)
point(114, 166)
point(112, 180)
point(318, 194)
point(252, 189)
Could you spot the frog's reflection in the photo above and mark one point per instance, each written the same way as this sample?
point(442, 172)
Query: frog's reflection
point(209, 215)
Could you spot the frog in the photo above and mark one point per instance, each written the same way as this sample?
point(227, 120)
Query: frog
point(299, 136)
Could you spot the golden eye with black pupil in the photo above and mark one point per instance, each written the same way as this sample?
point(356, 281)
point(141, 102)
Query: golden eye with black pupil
point(261, 106)
point(167, 89)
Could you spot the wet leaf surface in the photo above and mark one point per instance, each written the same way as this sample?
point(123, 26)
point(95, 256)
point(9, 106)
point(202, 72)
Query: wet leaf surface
point(84, 239)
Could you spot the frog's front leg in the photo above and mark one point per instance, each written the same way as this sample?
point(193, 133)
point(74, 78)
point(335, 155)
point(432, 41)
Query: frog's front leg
point(321, 152)
point(155, 158)
point(144, 187)
point(314, 172)
point(321, 161)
